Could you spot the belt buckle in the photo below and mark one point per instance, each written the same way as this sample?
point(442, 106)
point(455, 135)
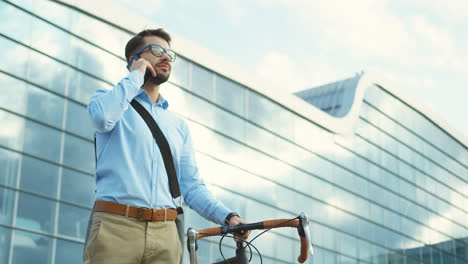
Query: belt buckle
point(139, 216)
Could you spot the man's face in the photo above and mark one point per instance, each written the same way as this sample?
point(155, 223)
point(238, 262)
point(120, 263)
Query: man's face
point(162, 65)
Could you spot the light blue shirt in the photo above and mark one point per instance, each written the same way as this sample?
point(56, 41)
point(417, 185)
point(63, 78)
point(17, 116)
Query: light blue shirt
point(130, 169)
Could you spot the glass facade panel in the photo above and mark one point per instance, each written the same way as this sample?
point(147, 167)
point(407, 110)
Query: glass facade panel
point(34, 173)
point(6, 206)
point(47, 72)
point(202, 82)
point(42, 141)
point(77, 188)
point(78, 120)
point(68, 252)
point(16, 59)
point(230, 95)
point(30, 218)
point(15, 24)
point(73, 221)
point(31, 248)
point(9, 163)
point(5, 236)
point(78, 154)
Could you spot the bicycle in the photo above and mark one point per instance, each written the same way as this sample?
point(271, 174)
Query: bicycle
point(300, 222)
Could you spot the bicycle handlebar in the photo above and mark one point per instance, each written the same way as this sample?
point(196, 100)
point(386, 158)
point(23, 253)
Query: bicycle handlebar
point(301, 224)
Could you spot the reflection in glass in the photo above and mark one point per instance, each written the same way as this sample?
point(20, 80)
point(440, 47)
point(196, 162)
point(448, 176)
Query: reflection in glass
point(102, 34)
point(8, 167)
point(15, 60)
point(202, 82)
point(31, 248)
point(97, 62)
point(78, 120)
point(5, 236)
point(47, 72)
point(6, 205)
point(14, 96)
point(34, 173)
point(31, 101)
point(68, 252)
point(82, 87)
point(11, 134)
point(29, 217)
point(77, 188)
point(73, 221)
point(180, 72)
point(15, 24)
point(230, 95)
point(78, 154)
point(50, 40)
point(42, 141)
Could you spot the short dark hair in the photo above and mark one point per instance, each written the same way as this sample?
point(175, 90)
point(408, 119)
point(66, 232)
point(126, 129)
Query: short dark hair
point(136, 42)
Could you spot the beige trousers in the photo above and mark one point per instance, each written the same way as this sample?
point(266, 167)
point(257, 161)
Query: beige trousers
point(116, 239)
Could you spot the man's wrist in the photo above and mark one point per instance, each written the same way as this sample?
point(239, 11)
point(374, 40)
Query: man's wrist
point(229, 216)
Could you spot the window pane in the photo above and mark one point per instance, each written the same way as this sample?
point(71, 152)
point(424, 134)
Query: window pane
point(51, 40)
point(35, 213)
point(5, 236)
point(31, 248)
point(8, 167)
point(73, 221)
point(11, 134)
point(79, 154)
point(202, 82)
point(97, 62)
point(81, 87)
point(68, 252)
point(77, 188)
point(47, 72)
point(34, 173)
point(15, 23)
point(230, 95)
point(6, 205)
point(31, 101)
point(180, 72)
point(15, 60)
point(78, 120)
point(42, 141)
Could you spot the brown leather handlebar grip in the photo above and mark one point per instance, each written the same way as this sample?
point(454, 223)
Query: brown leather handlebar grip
point(278, 223)
point(304, 250)
point(212, 231)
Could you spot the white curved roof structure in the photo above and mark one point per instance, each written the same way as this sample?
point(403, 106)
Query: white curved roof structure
point(345, 96)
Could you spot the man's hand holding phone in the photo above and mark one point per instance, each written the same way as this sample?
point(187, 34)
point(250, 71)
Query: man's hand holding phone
point(144, 67)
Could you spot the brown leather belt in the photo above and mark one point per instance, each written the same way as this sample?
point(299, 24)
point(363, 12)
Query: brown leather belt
point(140, 213)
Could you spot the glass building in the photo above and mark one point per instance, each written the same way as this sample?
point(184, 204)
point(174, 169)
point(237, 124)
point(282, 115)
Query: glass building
point(382, 178)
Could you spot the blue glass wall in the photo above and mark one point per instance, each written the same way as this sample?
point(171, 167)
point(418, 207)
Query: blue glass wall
point(395, 191)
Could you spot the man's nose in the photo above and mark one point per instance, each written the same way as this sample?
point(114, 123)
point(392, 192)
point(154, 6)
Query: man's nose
point(165, 57)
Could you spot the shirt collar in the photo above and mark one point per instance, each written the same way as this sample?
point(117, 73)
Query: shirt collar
point(162, 102)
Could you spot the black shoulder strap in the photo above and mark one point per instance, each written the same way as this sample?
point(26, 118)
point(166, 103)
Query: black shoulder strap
point(163, 146)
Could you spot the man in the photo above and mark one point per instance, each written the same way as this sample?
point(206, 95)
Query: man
point(131, 174)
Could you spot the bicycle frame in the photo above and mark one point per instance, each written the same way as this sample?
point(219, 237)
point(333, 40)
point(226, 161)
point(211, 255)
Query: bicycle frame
point(301, 223)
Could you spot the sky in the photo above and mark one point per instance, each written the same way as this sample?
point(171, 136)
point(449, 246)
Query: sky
point(419, 45)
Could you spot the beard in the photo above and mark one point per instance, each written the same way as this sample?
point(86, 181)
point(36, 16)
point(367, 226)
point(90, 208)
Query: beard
point(159, 79)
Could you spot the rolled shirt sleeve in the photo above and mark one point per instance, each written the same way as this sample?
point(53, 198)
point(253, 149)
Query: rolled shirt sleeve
point(106, 107)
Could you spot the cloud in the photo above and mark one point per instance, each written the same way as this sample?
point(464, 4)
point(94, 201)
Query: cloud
point(233, 10)
point(146, 8)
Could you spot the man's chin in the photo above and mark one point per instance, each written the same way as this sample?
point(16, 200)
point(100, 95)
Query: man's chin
point(159, 79)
